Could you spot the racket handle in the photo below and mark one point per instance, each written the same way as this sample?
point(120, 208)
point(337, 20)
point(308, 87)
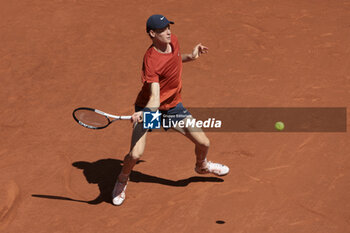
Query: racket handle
point(125, 117)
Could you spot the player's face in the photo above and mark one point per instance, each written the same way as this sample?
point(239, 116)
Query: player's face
point(163, 35)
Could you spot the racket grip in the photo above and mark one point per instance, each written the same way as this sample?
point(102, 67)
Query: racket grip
point(125, 117)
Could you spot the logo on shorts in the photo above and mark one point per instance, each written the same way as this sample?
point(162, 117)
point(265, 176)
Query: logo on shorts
point(151, 120)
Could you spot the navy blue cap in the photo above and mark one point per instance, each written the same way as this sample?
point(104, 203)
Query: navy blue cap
point(157, 22)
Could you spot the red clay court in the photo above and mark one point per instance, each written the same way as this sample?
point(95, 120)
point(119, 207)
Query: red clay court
point(57, 176)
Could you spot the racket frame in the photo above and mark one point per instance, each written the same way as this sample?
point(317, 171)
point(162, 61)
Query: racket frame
point(111, 118)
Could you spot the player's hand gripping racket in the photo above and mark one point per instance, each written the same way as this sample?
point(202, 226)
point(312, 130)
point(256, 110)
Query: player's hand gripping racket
point(95, 119)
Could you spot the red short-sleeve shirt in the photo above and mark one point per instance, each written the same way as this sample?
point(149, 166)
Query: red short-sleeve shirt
point(164, 68)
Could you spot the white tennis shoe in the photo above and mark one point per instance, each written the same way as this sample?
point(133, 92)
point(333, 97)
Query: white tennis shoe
point(213, 168)
point(118, 195)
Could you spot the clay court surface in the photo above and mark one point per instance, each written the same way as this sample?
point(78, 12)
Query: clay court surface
point(56, 176)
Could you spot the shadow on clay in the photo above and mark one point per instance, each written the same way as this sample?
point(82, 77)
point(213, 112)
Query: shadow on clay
point(104, 173)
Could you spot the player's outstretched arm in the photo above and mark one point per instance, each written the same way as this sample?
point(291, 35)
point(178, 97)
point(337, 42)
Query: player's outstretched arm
point(154, 100)
point(153, 103)
point(198, 50)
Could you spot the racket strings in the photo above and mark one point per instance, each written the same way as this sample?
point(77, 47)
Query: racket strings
point(90, 118)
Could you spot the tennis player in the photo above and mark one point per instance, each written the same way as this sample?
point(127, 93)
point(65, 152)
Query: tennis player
point(161, 90)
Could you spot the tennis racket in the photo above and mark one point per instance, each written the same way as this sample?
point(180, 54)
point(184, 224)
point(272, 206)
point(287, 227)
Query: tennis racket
point(95, 119)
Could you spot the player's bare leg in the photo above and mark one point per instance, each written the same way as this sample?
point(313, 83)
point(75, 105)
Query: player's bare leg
point(200, 140)
point(202, 143)
point(138, 142)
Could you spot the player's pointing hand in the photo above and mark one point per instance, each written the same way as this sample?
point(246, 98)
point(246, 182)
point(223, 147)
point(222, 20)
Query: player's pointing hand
point(198, 50)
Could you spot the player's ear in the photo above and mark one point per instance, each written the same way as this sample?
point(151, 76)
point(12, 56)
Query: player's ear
point(152, 34)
